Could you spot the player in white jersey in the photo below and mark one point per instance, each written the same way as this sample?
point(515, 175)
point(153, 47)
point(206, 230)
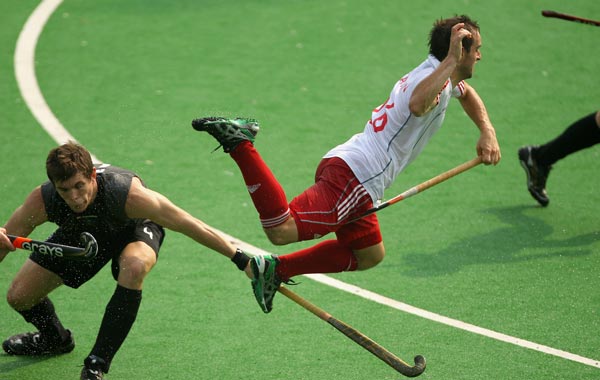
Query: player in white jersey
point(353, 176)
point(394, 136)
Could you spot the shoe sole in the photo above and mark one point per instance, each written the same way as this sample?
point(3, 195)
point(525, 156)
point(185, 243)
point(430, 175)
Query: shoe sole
point(523, 161)
point(62, 351)
point(257, 270)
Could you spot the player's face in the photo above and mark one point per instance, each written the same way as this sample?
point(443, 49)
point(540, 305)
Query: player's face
point(78, 191)
point(471, 57)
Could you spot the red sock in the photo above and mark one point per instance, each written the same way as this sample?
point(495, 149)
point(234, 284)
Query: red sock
point(267, 194)
point(328, 256)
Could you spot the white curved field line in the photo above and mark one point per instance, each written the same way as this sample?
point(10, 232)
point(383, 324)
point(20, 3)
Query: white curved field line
point(25, 72)
point(28, 85)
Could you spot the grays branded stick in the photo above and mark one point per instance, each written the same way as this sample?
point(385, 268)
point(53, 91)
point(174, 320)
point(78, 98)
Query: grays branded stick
point(359, 338)
point(567, 17)
point(423, 186)
point(88, 251)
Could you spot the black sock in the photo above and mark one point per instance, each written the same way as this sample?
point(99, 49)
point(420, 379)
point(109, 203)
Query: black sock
point(119, 316)
point(44, 318)
point(580, 135)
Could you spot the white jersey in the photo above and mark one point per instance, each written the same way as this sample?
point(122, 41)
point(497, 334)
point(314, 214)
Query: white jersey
point(394, 137)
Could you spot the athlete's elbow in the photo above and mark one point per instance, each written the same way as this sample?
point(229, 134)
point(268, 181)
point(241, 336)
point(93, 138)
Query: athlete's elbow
point(416, 108)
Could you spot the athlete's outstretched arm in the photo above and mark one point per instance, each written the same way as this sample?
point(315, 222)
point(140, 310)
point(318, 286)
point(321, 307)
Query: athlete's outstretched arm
point(487, 145)
point(23, 221)
point(148, 204)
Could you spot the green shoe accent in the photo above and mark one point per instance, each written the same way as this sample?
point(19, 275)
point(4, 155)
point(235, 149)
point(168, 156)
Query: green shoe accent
point(228, 132)
point(265, 282)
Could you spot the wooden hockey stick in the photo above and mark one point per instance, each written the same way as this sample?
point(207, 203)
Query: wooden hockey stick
point(361, 339)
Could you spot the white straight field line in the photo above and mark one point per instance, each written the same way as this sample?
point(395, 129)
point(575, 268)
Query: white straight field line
point(28, 85)
point(449, 321)
point(329, 281)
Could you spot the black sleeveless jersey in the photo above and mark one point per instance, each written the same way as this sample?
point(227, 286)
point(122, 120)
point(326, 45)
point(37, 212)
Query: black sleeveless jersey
point(105, 217)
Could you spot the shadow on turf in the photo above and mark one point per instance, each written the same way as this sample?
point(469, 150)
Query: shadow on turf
point(10, 363)
point(519, 241)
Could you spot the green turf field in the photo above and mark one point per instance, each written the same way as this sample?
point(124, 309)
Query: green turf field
point(127, 77)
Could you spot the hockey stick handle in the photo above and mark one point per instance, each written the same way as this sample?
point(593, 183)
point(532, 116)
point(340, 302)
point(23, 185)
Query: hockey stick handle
point(425, 185)
point(359, 338)
point(567, 17)
point(58, 250)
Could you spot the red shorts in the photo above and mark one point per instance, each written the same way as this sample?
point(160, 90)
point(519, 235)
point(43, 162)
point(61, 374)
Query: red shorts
point(335, 198)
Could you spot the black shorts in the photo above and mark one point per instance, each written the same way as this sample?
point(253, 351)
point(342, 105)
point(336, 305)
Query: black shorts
point(75, 273)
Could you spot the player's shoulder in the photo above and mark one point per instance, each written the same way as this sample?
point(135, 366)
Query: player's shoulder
point(426, 67)
point(406, 84)
point(114, 178)
point(104, 169)
point(111, 173)
point(36, 196)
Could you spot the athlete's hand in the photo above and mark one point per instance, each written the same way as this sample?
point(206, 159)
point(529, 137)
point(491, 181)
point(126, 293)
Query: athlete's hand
point(488, 148)
point(5, 244)
point(456, 47)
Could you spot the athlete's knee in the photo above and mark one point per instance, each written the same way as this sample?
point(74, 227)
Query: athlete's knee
point(369, 262)
point(135, 268)
point(17, 300)
point(12, 299)
point(369, 257)
point(278, 236)
point(283, 234)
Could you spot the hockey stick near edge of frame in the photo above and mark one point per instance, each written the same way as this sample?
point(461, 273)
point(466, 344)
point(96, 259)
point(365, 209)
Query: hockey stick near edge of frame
point(90, 249)
point(564, 16)
point(389, 358)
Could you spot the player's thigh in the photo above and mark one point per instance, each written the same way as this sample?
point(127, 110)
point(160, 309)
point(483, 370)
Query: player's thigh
point(364, 238)
point(31, 284)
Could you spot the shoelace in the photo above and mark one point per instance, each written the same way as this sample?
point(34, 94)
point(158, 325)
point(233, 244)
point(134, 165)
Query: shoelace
point(291, 282)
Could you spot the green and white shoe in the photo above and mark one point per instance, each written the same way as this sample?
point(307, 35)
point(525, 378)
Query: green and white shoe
point(265, 282)
point(228, 132)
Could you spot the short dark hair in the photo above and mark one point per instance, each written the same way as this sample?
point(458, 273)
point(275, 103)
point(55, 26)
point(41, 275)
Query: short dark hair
point(67, 160)
point(439, 37)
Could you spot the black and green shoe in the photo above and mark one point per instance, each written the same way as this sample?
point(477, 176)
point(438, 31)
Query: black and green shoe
point(265, 282)
point(228, 132)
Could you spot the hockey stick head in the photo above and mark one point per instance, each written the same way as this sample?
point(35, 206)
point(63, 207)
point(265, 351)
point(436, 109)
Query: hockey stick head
point(88, 251)
point(90, 244)
point(417, 369)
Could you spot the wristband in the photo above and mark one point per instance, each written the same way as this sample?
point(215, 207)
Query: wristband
point(240, 259)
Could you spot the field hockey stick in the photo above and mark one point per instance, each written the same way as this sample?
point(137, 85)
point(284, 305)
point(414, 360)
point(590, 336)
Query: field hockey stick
point(422, 187)
point(567, 17)
point(358, 337)
point(89, 250)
